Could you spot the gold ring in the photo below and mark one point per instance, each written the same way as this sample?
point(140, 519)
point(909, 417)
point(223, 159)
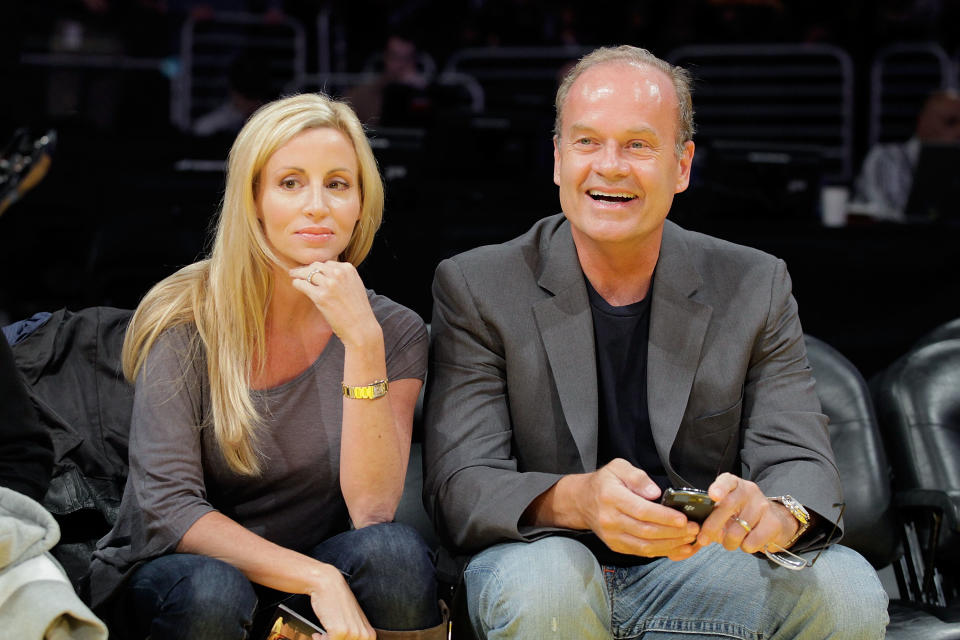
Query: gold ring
point(310, 276)
point(743, 523)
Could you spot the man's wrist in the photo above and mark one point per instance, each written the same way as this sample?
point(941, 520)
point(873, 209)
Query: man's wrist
point(797, 513)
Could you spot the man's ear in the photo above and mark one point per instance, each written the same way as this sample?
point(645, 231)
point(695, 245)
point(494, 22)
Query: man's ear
point(556, 161)
point(686, 162)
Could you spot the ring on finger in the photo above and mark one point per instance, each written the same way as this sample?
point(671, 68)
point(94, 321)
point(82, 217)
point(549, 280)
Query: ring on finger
point(743, 523)
point(310, 276)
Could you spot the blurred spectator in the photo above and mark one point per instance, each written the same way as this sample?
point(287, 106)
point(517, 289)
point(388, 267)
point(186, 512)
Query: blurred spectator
point(400, 86)
point(887, 174)
point(250, 87)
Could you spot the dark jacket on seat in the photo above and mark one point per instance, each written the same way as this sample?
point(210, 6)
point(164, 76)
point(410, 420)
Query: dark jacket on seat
point(71, 367)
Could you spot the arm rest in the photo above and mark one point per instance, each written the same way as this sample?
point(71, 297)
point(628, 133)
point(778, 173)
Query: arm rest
point(946, 502)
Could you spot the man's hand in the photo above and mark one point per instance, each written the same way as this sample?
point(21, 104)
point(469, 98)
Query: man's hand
point(618, 503)
point(744, 518)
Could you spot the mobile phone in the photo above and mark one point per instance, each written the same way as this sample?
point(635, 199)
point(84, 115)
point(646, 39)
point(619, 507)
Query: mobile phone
point(287, 624)
point(694, 503)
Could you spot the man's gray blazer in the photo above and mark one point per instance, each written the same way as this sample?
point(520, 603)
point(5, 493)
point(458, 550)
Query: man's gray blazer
point(512, 398)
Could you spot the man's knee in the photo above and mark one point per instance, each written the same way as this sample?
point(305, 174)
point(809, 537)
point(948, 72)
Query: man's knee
point(844, 595)
point(552, 587)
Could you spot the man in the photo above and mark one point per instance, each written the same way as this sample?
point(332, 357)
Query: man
point(886, 177)
point(400, 79)
point(581, 369)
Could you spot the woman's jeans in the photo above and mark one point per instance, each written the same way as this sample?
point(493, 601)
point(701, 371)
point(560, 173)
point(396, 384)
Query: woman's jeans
point(388, 567)
point(554, 588)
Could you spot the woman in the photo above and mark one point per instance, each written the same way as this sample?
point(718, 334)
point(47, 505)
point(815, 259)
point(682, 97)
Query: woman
point(273, 408)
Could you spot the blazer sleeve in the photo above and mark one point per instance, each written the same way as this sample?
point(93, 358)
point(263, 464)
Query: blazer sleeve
point(472, 487)
point(786, 444)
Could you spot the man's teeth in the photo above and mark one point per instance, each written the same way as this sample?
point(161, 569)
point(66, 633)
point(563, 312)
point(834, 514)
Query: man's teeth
point(615, 196)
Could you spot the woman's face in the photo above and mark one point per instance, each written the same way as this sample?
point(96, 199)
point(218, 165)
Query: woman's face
point(309, 198)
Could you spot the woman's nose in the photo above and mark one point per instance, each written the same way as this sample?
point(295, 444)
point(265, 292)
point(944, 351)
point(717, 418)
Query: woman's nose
point(315, 202)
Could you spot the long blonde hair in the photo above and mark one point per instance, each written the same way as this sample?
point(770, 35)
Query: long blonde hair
point(225, 296)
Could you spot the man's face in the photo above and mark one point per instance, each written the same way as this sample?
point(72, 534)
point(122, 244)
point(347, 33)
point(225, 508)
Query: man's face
point(615, 160)
point(940, 120)
point(399, 59)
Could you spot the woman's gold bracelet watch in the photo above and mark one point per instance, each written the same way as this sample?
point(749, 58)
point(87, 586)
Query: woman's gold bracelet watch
point(372, 391)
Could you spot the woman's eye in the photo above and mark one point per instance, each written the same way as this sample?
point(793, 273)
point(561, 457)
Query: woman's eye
point(289, 183)
point(338, 184)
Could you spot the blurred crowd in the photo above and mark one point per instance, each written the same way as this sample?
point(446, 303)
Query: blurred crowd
point(151, 28)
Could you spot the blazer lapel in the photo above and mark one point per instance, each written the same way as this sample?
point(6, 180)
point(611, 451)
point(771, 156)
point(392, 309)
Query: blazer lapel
point(566, 328)
point(678, 325)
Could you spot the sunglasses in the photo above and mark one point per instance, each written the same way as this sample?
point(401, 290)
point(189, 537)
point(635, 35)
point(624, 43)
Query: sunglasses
point(792, 561)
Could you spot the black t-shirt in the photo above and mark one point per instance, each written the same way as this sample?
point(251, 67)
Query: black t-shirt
point(621, 336)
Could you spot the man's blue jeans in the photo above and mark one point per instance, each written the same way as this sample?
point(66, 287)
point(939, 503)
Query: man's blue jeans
point(554, 588)
point(388, 567)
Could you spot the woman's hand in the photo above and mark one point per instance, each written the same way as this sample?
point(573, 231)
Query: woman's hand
point(337, 608)
point(338, 292)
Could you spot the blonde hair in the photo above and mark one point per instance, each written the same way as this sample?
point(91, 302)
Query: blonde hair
point(226, 295)
point(634, 55)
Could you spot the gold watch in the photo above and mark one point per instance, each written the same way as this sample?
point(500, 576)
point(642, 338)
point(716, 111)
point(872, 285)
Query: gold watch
point(799, 512)
point(372, 391)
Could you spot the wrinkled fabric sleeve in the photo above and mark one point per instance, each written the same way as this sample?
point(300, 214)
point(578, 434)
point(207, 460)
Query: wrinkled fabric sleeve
point(166, 480)
point(406, 344)
point(472, 488)
point(786, 442)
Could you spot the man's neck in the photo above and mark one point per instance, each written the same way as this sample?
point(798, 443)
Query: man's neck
point(621, 275)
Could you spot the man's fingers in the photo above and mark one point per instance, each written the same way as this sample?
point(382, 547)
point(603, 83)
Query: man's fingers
point(633, 478)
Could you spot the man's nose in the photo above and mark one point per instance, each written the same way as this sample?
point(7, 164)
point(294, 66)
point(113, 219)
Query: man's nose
point(611, 161)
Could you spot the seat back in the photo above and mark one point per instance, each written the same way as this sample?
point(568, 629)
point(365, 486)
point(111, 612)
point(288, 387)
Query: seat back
point(918, 404)
point(869, 524)
point(946, 331)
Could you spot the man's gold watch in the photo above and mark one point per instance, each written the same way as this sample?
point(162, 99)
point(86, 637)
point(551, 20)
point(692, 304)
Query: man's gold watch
point(799, 512)
point(372, 391)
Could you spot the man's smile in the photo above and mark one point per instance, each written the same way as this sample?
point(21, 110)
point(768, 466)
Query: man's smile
point(611, 196)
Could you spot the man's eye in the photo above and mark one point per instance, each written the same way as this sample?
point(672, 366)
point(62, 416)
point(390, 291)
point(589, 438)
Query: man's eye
point(638, 144)
point(583, 141)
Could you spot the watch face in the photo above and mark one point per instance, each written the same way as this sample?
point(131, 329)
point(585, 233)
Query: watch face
point(797, 509)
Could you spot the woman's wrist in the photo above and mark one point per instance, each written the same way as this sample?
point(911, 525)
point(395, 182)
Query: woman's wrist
point(364, 338)
point(319, 577)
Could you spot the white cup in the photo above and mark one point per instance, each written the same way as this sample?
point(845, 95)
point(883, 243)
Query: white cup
point(833, 205)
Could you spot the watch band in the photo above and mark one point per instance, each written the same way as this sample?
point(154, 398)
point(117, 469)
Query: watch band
point(799, 512)
point(372, 391)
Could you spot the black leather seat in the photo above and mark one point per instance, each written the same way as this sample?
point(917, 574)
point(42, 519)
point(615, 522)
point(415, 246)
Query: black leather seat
point(946, 331)
point(871, 521)
point(918, 405)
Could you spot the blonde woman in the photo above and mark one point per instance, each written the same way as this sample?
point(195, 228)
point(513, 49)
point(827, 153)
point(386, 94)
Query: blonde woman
point(273, 409)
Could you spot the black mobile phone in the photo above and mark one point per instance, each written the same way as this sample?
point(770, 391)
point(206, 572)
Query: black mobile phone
point(694, 503)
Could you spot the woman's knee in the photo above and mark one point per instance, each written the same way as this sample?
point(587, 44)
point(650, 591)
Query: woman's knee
point(391, 571)
point(185, 595)
point(394, 550)
point(553, 585)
